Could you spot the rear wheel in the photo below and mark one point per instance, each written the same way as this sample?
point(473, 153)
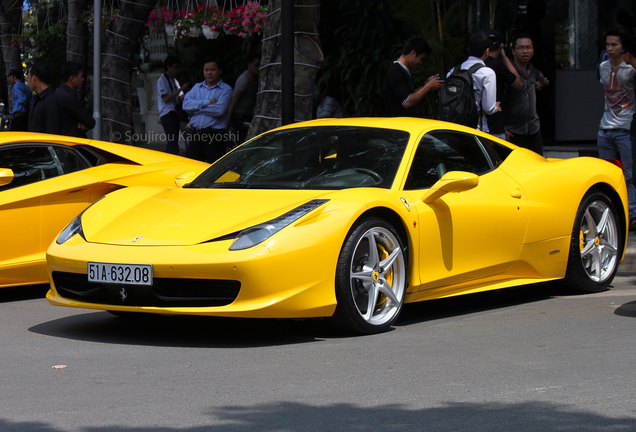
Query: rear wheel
point(595, 246)
point(370, 278)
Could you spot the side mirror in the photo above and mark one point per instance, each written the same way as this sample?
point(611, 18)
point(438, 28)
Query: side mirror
point(453, 181)
point(184, 178)
point(6, 176)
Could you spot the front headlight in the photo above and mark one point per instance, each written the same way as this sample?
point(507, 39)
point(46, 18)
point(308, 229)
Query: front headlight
point(75, 227)
point(254, 235)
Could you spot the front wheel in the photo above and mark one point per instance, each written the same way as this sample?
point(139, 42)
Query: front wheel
point(370, 278)
point(595, 246)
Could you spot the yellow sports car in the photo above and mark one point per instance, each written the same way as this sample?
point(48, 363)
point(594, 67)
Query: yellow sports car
point(349, 218)
point(46, 180)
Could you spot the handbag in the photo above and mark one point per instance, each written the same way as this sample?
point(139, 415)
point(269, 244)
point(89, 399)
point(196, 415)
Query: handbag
point(183, 116)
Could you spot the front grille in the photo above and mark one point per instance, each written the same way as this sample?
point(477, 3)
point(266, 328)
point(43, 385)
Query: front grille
point(165, 292)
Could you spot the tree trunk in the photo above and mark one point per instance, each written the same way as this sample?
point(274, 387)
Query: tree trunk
point(120, 44)
point(77, 37)
point(307, 59)
point(10, 15)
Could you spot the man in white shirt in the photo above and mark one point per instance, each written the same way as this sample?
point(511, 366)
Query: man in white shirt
point(484, 78)
point(169, 98)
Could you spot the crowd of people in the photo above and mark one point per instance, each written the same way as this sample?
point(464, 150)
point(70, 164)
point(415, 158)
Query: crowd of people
point(504, 93)
point(49, 111)
point(504, 90)
point(209, 107)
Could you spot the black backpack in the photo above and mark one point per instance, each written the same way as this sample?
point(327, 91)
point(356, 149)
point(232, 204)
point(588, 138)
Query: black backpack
point(456, 98)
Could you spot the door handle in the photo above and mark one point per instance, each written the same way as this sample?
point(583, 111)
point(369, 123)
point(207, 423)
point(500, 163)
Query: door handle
point(516, 194)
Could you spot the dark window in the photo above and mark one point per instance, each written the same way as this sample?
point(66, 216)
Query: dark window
point(326, 157)
point(29, 165)
point(496, 152)
point(442, 151)
point(69, 160)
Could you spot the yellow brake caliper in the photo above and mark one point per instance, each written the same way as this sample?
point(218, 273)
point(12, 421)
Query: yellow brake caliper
point(383, 255)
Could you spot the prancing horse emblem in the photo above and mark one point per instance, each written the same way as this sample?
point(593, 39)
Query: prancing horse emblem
point(137, 239)
point(123, 294)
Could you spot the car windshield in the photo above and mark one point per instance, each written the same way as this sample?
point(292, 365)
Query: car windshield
point(327, 157)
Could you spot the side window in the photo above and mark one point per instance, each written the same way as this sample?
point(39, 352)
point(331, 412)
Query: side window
point(29, 165)
point(497, 152)
point(442, 151)
point(69, 160)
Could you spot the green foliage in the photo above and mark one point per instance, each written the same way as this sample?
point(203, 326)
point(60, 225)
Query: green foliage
point(362, 38)
point(444, 25)
point(49, 42)
point(357, 56)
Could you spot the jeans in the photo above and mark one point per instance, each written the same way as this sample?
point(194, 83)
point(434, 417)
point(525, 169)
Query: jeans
point(615, 144)
point(171, 123)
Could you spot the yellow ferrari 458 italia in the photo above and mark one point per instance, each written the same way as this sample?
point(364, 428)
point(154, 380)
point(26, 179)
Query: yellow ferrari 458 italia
point(346, 218)
point(46, 180)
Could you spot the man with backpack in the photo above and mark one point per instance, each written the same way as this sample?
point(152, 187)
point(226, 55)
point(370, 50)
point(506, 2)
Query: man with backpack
point(402, 98)
point(469, 93)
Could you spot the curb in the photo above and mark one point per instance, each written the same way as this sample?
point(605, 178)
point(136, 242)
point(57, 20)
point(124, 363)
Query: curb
point(629, 262)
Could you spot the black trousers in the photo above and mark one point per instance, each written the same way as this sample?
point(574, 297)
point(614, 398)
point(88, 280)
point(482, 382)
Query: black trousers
point(532, 142)
point(20, 123)
point(207, 145)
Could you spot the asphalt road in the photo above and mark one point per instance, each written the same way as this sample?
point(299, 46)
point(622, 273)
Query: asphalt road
point(522, 359)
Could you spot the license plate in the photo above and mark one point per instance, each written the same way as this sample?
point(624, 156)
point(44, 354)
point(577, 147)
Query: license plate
point(130, 274)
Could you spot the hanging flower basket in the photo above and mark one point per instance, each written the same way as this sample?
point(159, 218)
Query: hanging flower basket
point(209, 33)
point(160, 18)
point(170, 29)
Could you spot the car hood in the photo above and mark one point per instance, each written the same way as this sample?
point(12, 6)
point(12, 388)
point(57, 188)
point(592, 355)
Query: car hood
point(151, 216)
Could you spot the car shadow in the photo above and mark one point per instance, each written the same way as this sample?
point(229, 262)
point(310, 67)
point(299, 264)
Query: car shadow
point(525, 416)
point(627, 310)
point(473, 303)
point(23, 292)
point(209, 332)
point(185, 331)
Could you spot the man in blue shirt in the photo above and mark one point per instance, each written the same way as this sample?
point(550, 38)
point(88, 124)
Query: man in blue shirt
point(21, 101)
point(208, 103)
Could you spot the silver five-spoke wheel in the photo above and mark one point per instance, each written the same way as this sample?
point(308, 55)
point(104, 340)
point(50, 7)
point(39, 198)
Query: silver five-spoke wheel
point(598, 238)
point(599, 242)
point(371, 277)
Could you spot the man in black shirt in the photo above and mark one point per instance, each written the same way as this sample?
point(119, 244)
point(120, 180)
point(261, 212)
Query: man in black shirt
point(507, 75)
point(45, 110)
point(399, 89)
point(75, 119)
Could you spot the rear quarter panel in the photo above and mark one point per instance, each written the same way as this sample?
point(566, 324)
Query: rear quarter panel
point(555, 188)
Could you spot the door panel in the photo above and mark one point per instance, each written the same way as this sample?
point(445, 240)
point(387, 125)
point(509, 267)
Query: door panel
point(473, 234)
point(467, 235)
point(34, 208)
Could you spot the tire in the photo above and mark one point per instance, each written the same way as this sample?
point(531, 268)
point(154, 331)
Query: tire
point(597, 238)
point(371, 271)
point(129, 315)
